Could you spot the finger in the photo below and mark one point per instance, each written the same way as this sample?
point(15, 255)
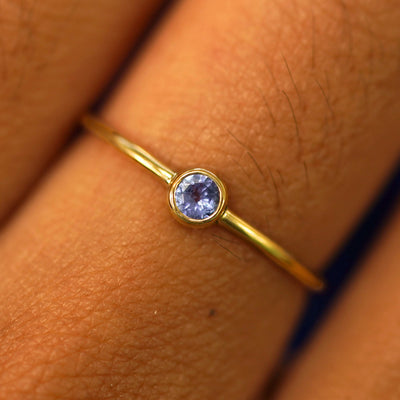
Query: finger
point(54, 58)
point(126, 302)
point(356, 353)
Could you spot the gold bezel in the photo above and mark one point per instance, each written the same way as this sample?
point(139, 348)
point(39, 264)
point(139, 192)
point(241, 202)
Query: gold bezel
point(223, 215)
point(196, 222)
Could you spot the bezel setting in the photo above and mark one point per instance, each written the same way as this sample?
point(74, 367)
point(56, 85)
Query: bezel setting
point(201, 201)
point(180, 216)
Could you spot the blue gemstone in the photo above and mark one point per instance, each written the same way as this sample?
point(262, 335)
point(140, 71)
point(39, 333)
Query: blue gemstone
point(197, 196)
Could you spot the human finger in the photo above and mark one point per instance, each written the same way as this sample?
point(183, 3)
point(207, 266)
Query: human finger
point(55, 57)
point(150, 308)
point(356, 353)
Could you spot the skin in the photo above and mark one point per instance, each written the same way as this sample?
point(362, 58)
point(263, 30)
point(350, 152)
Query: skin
point(55, 57)
point(104, 295)
point(363, 330)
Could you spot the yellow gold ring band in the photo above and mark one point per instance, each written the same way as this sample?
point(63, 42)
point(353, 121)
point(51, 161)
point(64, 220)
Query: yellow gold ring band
point(210, 193)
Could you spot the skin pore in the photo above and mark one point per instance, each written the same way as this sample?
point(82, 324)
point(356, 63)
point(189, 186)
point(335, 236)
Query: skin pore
point(103, 295)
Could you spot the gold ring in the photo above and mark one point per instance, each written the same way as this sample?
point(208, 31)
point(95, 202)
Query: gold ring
point(197, 197)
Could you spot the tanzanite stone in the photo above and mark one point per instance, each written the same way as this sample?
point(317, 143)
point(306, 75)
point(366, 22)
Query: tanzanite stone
point(197, 196)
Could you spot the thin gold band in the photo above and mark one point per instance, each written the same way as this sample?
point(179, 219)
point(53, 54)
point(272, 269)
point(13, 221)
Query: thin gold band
point(224, 217)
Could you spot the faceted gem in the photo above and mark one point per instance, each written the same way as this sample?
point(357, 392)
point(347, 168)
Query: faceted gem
point(197, 196)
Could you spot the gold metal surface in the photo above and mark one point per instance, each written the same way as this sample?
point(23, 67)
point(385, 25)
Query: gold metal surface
point(130, 149)
point(271, 249)
point(223, 216)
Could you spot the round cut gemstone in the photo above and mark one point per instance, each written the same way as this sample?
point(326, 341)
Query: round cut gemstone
point(197, 196)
